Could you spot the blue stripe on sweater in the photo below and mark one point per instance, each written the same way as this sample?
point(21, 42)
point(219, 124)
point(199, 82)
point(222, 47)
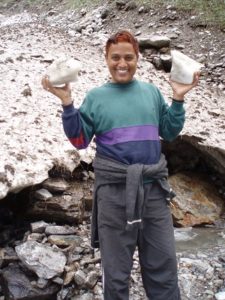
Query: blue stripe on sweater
point(145, 152)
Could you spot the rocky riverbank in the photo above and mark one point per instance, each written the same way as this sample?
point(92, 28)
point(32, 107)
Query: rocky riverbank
point(46, 260)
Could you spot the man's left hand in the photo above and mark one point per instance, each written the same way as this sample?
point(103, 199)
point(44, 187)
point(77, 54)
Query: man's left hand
point(180, 89)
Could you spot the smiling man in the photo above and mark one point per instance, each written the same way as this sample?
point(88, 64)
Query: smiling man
point(122, 61)
point(131, 199)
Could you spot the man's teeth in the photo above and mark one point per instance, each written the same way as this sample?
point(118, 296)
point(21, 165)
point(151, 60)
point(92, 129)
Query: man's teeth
point(122, 71)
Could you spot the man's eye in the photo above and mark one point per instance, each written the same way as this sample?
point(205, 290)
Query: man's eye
point(115, 58)
point(129, 58)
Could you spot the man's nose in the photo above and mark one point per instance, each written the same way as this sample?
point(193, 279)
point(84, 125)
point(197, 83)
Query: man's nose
point(122, 62)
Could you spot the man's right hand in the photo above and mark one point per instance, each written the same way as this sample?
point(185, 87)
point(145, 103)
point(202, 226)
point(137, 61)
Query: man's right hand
point(63, 93)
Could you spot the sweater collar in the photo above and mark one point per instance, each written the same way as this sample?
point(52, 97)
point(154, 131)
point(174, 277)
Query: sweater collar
point(121, 85)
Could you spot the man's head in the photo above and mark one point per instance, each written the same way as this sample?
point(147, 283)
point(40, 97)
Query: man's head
point(122, 52)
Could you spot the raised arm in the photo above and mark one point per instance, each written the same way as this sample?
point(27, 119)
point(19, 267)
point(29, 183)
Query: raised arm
point(77, 125)
point(173, 117)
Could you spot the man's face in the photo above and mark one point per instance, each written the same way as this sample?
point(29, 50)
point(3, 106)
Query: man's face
point(122, 62)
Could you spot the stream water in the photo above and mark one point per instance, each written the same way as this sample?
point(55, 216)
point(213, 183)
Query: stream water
point(196, 239)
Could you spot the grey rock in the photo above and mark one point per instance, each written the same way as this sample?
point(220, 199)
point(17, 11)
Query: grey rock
point(38, 237)
point(155, 41)
point(45, 261)
point(80, 277)
point(58, 230)
point(16, 285)
point(42, 194)
point(87, 296)
point(91, 279)
point(166, 62)
point(55, 185)
point(64, 240)
point(38, 227)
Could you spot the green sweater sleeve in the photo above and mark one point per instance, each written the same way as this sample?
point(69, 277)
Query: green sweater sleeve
point(171, 119)
point(87, 118)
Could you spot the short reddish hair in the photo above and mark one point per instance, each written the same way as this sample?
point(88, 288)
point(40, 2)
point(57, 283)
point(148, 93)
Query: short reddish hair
point(122, 36)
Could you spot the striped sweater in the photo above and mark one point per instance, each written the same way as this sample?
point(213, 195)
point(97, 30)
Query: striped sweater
point(127, 121)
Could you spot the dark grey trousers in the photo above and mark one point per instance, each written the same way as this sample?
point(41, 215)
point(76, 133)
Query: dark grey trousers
point(155, 243)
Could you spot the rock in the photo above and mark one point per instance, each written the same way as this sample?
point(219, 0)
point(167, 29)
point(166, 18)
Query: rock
point(80, 277)
point(53, 229)
point(131, 5)
point(88, 203)
point(154, 41)
point(91, 279)
point(104, 13)
point(55, 185)
point(121, 3)
point(64, 240)
point(87, 296)
point(68, 278)
point(42, 283)
point(45, 261)
point(16, 285)
point(196, 201)
point(27, 91)
point(68, 207)
point(166, 62)
point(157, 62)
point(7, 256)
point(38, 227)
point(143, 9)
point(42, 194)
point(38, 237)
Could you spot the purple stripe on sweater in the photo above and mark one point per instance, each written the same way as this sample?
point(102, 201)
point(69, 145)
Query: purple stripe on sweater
point(129, 134)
